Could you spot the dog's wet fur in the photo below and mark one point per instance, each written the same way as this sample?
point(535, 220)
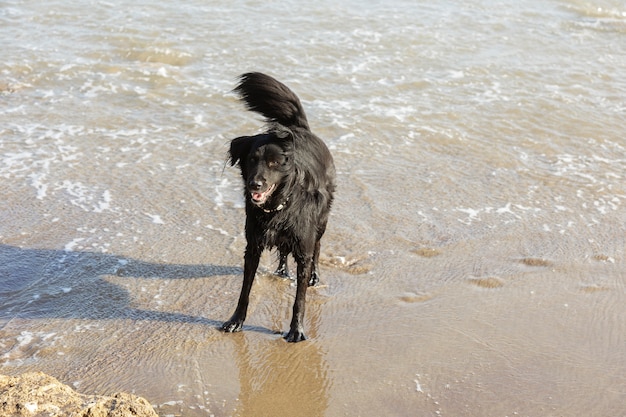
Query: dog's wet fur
point(289, 182)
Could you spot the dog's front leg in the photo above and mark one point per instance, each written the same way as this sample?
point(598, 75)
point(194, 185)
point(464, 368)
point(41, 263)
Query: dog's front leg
point(296, 331)
point(251, 263)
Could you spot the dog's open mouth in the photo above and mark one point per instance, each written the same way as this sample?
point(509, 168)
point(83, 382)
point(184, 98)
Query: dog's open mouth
point(261, 197)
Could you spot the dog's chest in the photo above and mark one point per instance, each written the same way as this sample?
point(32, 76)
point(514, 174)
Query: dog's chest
point(276, 234)
point(278, 230)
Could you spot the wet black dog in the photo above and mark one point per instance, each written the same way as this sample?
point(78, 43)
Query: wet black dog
point(289, 181)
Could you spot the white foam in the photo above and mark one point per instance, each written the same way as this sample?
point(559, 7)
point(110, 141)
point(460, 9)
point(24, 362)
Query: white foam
point(28, 343)
point(40, 186)
point(86, 197)
point(105, 204)
point(218, 197)
point(156, 219)
point(24, 339)
point(472, 215)
point(171, 403)
point(217, 229)
point(69, 247)
point(14, 162)
point(400, 113)
point(507, 210)
point(90, 90)
point(418, 386)
point(199, 120)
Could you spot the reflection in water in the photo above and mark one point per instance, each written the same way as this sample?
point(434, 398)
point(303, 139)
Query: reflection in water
point(277, 379)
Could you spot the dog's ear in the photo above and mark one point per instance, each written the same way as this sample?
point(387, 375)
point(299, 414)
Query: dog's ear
point(239, 148)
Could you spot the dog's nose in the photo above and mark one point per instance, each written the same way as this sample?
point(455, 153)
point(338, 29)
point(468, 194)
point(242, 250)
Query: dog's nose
point(255, 185)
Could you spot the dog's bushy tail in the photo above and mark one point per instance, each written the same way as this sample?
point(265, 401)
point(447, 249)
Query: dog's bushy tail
point(272, 99)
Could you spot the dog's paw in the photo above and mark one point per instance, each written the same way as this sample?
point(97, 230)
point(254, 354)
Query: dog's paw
point(315, 279)
point(283, 272)
point(295, 336)
point(232, 326)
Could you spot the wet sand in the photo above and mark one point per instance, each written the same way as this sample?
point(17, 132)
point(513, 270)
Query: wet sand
point(508, 333)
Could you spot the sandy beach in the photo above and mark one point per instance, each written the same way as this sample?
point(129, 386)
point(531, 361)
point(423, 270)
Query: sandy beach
point(474, 259)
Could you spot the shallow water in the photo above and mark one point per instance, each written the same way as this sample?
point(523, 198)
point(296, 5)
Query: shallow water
point(474, 261)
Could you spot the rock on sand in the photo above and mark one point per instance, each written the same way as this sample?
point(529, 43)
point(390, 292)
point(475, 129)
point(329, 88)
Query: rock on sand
point(37, 394)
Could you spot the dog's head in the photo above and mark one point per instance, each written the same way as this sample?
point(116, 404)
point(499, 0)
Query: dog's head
point(266, 160)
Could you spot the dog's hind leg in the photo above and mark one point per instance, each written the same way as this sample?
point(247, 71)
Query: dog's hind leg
point(251, 263)
point(315, 278)
point(283, 269)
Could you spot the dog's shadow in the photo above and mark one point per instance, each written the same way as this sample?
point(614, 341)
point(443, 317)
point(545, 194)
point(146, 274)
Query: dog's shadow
point(42, 283)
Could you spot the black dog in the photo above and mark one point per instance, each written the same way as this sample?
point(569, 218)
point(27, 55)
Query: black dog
point(289, 181)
